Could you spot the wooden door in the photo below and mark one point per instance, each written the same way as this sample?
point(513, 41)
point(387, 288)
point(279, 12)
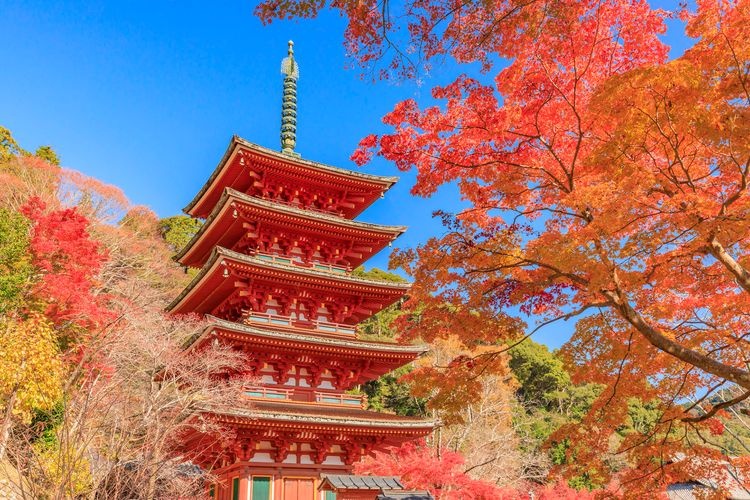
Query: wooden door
point(299, 488)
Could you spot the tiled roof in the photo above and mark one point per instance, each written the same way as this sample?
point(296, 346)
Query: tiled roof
point(387, 182)
point(317, 165)
point(219, 252)
point(318, 414)
point(307, 338)
point(351, 482)
point(251, 259)
point(230, 193)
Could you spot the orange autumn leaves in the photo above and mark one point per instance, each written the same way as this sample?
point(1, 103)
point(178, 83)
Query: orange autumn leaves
point(606, 186)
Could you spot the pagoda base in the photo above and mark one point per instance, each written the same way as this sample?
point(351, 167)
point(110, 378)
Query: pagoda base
point(248, 481)
point(278, 451)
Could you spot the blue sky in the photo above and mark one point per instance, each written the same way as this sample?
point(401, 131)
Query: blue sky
point(146, 95)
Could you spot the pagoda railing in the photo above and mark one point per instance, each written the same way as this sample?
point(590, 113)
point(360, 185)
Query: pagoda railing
point(268, 393)
point(288, 321)
point(295, 261)
point(341, 399)
point(331, 398)
point(300, 206)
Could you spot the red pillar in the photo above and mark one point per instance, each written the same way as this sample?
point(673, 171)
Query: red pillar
point(244, 484)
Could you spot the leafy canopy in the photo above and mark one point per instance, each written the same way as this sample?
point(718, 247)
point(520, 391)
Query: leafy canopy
point(605, 185)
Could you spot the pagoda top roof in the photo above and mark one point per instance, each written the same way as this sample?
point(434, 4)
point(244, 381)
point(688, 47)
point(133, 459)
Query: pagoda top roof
point(318, 218)
point(300, 275)
point(222, 177)
point(315, 339)
point(309, 413)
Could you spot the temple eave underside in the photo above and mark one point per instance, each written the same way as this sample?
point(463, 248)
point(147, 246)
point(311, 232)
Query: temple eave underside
point(233, 286)
point(248, 167)
point(249, 225)
point(273, 439)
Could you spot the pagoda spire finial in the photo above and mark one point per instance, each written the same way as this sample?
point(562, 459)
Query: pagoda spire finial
point(290, 70)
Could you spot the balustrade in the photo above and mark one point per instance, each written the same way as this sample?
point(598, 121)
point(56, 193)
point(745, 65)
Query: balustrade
point(268, 393)
point(307, 324)
point(332, 398)
point(341, 399)
point(296, 261)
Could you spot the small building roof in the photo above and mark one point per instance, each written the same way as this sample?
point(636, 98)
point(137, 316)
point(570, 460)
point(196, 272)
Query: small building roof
point(338, 482)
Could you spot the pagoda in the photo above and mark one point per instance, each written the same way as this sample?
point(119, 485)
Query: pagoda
point(275, 255)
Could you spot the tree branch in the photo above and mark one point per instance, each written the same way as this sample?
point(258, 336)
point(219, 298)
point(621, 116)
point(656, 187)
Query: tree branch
point(740, 273)
point(664, 343)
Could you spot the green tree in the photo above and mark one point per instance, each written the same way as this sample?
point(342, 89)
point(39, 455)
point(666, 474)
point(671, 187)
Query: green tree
point(539, 372)
point(16, 270)
point(48, 154)
point(378, 327)
point(378, 274)
point(387, 393)
point(178, 230)
point(8, 145)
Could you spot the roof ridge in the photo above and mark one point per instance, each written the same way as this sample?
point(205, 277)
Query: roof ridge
point(236, 140)
point(311, 213)
point(218, 251)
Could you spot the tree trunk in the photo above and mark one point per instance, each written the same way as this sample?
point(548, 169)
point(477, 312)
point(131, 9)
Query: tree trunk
point(7, 422)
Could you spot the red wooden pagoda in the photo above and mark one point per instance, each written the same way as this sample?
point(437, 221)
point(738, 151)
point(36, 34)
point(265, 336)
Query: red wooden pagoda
point(275, 256)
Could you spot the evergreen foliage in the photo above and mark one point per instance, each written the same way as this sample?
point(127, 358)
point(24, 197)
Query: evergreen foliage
point(48, 154)
point(178, 230)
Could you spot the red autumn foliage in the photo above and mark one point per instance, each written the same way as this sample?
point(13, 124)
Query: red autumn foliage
point(419, 468)
point(605, 184)
point(561, 491)
point(68, 261)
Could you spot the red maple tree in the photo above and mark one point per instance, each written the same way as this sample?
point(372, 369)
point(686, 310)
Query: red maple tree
point(605, 184)
point(418, 467)
point(68, 261)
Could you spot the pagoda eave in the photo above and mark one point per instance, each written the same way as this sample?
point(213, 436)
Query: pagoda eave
point(233, 171)
point(237, 214)
point(353, 361)
point(226, 272)
point(312, 418)
point(279, 286)
point(274, 434)
point(332, 344)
